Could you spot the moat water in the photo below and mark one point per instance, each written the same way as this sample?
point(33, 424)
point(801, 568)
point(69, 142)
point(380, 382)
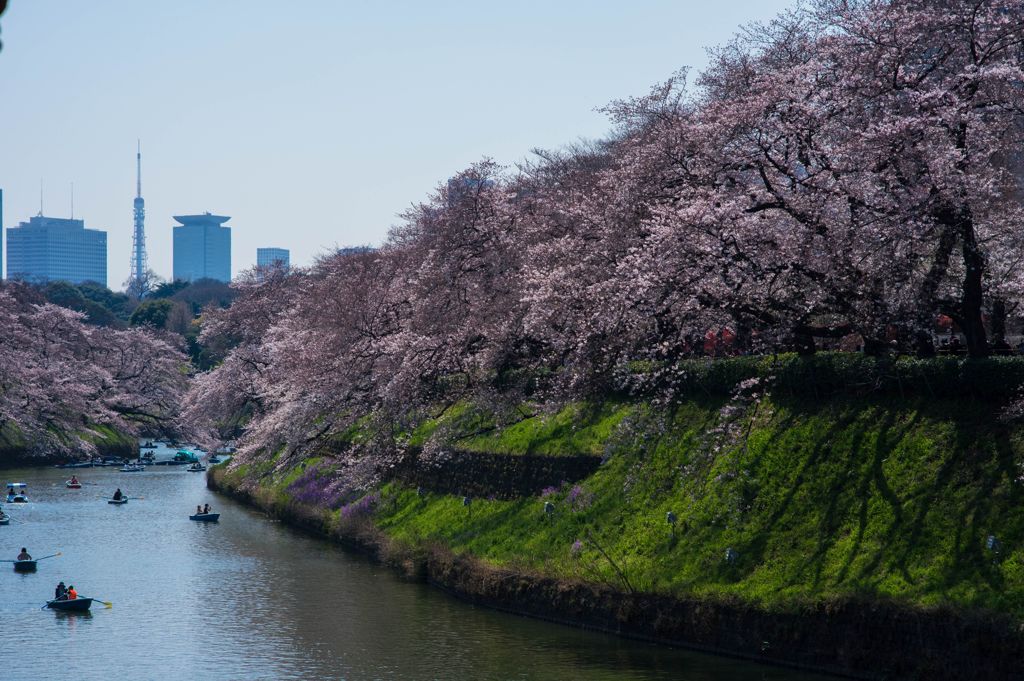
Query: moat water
point(248, 598)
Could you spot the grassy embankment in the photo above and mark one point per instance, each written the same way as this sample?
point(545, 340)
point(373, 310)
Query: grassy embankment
point(16, 450)
point(805, 495)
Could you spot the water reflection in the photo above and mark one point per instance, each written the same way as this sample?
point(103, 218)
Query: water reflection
point(247, 598)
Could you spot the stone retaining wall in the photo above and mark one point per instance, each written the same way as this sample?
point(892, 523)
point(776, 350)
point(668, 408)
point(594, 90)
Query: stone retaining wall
point(484, 475)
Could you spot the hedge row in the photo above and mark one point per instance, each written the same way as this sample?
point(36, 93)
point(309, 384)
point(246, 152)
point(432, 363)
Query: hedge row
point(830, 373)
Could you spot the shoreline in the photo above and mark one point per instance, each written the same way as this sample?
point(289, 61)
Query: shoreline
point(846, 638)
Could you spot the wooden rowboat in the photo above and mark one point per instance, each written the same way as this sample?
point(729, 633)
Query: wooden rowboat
point(71, 605)
point(205, 517)
point(24, 566)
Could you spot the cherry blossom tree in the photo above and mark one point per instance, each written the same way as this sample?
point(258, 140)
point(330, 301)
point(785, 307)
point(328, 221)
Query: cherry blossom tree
point(846, 153)
point(843, 171)
point(60, 376)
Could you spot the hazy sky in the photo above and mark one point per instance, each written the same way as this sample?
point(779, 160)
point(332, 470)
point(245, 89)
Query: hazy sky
point(312, 123)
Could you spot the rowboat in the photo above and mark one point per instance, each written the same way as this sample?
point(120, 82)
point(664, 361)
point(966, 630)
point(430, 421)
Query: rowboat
point(24, 566)
point(148, 445)
point(196, 468)
point(73, 485)
point(122, 500)
point(132, 468)
point(205, 517)
point(71, 605)
point(5, 520)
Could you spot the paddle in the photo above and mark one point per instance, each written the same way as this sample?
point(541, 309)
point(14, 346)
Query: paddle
point(52, 555)
point(106, 604)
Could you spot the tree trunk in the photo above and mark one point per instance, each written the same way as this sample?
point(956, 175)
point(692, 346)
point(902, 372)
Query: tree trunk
point(803, 343)
point(998, 320)
point(874, 347)
point(972, 298)
point(924, 346)
point(926, 308)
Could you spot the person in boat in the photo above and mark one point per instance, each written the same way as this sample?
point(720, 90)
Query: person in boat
point(199, 509)
point(206, 508)
point(60, 593)
point(24, 554)
point(74, 480)
point(72, 594)
point(118, 495)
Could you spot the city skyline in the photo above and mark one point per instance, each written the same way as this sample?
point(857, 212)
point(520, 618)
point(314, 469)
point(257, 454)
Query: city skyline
point(341, 115)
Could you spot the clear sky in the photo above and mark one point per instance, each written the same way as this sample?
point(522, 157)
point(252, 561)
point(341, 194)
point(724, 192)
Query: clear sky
point(312, 123)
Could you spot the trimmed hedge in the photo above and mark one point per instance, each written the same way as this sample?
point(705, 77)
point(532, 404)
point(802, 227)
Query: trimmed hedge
point(833, 373)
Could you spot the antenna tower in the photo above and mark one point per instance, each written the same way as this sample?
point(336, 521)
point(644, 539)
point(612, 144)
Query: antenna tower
point(138, 283)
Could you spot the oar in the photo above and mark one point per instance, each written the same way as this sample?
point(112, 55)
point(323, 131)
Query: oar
point(52, 555)
point(106, 604)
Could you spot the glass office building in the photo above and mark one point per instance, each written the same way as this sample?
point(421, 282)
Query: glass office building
point(272, 257)
point(56, 249)
point(202, 248)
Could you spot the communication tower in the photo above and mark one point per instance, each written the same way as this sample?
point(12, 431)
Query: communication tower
point(138, 282)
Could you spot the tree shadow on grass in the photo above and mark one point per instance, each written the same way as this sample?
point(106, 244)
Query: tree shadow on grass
point(754, 551)
point(970, 463)
point(884, 445)
point(972, 560)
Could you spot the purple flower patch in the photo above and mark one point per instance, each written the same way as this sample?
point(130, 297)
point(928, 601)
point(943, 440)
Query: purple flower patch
point(365, 506)
point(579, 499)
point(318, 486)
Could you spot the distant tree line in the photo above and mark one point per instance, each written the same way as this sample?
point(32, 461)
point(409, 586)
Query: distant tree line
point(171, 307)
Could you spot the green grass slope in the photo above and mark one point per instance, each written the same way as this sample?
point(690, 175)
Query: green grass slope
point(775, 502)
